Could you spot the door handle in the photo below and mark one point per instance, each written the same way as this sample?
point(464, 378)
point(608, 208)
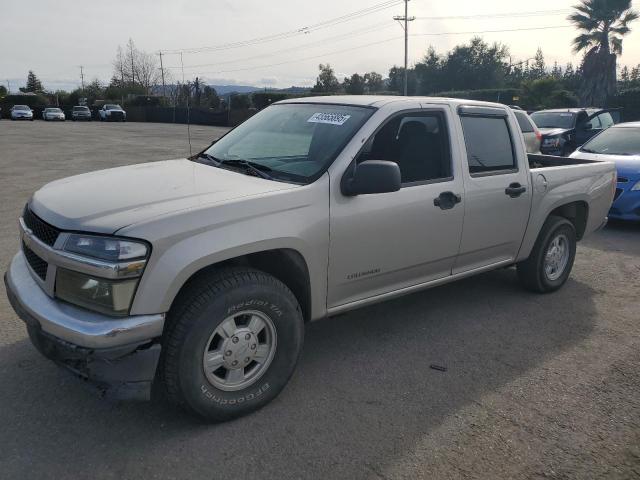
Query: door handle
point(447, 200)
point(515, 190)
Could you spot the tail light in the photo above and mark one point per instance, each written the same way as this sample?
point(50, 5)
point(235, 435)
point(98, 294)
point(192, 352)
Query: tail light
point(615, 182)
point(538, 135)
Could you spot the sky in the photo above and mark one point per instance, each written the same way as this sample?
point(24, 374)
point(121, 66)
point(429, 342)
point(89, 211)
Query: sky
point(54, 37)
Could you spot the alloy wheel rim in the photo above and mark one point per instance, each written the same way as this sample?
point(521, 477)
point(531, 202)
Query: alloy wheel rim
point(240, 350)
point(556, 257)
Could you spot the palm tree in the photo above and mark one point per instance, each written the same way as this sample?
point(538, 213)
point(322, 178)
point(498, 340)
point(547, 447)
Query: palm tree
point(603, 23)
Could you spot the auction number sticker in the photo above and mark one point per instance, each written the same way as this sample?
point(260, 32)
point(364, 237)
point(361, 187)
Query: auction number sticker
point(330, 118)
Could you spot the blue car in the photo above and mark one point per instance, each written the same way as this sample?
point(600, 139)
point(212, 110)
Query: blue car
point(619, 144)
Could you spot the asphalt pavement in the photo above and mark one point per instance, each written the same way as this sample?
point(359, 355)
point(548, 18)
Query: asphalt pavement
point(535, 386)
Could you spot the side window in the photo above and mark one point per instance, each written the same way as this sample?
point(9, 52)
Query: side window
point(606, 120)
point(595, 123)
point(489, 146)
point(524, 123)
point(417, 142)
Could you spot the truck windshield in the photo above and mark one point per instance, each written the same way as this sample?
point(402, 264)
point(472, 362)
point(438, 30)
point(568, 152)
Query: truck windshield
point(293, 142)
point(554, 119)
point(615, 141)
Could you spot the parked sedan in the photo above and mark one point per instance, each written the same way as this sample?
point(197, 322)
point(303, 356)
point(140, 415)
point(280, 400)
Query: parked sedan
point(619, 144)
point(112, 112)
point(21, 112)
point(49, 114)
point(564, 130)
point(80, 112)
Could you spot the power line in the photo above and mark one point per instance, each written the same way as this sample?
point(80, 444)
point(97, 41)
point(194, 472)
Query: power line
point(290, 33)
point(372, 28)
point(535, 13)
point(387, 40)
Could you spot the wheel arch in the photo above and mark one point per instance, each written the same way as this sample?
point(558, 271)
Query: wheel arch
point(286, 264)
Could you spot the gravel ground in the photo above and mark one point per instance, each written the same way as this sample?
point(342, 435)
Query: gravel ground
point(535, 387)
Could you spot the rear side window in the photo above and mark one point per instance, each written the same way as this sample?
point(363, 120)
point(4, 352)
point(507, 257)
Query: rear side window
point(523, 121)
point(489, 146)
point(606, 119)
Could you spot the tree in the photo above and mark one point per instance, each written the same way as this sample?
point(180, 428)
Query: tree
point(396, 80)
point(134, 71)
point(538, 69)
point(428, 73)
point(33, 84)
point(354, 85)
point(603, 23)
point(210, 97)
point(475, 66)
point(326, 81)
point(3, 91)
point(373, 81)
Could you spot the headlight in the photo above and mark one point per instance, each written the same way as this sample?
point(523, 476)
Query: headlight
point(636, 186)
point(111, 297)
point(105, 248)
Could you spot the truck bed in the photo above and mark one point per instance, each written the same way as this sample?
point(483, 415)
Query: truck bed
point(541, 161)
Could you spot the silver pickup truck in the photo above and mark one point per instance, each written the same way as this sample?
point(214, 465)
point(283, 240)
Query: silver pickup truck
point(199, 274)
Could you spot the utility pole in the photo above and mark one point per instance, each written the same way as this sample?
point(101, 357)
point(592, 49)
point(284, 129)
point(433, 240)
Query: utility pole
point(164, 88)
point(8, 88)
point(82, 77)
point(406, 19)
point(133, 73)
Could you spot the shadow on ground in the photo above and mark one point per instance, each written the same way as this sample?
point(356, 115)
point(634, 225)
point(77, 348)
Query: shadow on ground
point(362, 395)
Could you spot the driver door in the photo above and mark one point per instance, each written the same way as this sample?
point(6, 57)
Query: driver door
point(386, 242)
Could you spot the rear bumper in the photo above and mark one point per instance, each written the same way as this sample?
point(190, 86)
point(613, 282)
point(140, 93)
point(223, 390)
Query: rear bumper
point(119, 355)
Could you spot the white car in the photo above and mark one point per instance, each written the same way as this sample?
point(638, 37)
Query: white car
point(21, 112)
point(112, 112)
point(53, 114)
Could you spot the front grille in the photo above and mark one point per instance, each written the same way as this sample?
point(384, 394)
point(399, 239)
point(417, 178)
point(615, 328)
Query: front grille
point(617, 194)
point(116, 116)
point(41, 229)
point(622, 180)
point(35, 262)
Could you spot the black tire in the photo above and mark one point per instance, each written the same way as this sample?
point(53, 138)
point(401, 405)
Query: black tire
point(532, 273)
point(194, 317)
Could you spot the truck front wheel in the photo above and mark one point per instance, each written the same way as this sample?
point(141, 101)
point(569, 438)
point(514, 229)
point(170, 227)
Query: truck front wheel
point(551, 259)
point(232, 342)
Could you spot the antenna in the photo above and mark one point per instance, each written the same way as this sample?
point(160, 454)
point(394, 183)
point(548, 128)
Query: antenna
point(188, 107)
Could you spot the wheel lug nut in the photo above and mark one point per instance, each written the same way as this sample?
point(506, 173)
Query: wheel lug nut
point(228, 353)
point(247, 359)
point(235, 339)
point(247, 336)
point(234, 363)
point(253, 346)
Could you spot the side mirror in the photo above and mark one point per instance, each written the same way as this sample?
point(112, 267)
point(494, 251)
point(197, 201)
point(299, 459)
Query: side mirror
point(372, 176)
point(588, 126)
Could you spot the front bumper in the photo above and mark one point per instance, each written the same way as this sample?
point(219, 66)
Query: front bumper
point(119, 354)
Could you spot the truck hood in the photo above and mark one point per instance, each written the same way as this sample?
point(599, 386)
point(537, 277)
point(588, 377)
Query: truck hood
point(553, 132)
point(108, 200)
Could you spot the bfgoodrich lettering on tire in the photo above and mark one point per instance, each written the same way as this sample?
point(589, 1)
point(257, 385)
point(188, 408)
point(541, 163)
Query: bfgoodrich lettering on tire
point(551, 259)
point(232, 342)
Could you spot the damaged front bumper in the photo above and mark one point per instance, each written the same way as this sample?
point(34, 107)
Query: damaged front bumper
point(119, 355)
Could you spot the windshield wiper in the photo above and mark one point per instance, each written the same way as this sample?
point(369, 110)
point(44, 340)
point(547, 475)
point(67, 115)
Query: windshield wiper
point(249, 166)
point(587, 150)
point(210, 158)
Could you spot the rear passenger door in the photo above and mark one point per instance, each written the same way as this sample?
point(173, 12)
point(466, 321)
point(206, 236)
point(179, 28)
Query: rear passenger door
point(497, 191)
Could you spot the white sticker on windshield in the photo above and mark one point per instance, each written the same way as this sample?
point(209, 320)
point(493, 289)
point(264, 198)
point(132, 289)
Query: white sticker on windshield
point(330, 118)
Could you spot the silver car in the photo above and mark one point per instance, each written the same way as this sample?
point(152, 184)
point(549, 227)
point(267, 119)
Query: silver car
point(21, 112)
point(532, 136)
point(80, 112)
point(49, 114)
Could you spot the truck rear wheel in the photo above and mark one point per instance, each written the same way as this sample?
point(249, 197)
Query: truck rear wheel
point(551, 259)
point(232, 343)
